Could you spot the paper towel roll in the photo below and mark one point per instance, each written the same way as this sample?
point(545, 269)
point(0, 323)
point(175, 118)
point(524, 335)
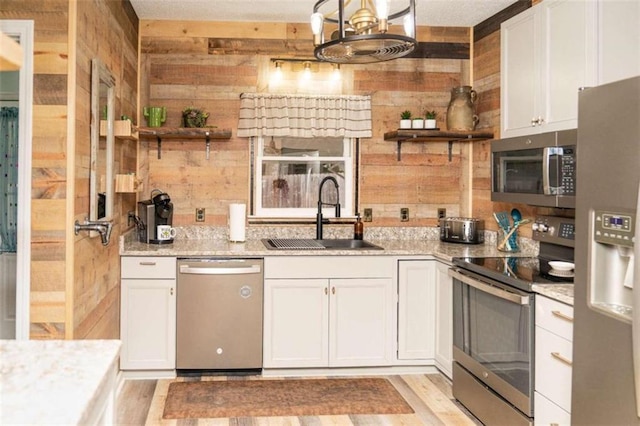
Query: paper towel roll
point(237, 221)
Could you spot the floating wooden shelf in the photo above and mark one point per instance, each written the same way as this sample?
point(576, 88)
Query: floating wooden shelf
point(415, 135)
point(122, 129)
point(128, 183)
point(206, 133)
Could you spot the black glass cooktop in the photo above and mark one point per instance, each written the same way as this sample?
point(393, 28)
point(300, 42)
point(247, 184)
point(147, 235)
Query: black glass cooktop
point(519, 272)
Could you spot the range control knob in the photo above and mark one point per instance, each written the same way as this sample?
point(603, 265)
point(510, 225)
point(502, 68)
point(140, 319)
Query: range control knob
point(540, 227)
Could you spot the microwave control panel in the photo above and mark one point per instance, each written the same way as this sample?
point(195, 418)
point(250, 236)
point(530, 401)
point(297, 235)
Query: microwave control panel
point(568, 171)
point(613, 228)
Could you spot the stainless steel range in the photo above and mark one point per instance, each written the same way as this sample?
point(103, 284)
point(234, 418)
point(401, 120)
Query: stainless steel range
point(493, 324)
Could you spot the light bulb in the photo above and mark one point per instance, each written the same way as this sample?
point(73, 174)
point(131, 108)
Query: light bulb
point(382, 13)
point(306, 73)
point(276, 78)
point(317, 23)
point(409, 26)
point(335, 75)
point(382, 9)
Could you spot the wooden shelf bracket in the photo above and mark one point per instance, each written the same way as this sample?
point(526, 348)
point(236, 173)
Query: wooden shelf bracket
point(185, 133)
point(450, 137)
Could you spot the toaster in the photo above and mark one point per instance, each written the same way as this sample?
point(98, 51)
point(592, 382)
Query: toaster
point(465, 230)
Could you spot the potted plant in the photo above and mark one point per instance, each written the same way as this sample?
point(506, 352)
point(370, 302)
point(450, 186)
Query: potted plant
point(417, 123)
point(430, 120)
point(405, 119)
point(194, 117)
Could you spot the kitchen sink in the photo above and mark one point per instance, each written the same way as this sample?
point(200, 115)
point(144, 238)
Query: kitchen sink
point(310, 244)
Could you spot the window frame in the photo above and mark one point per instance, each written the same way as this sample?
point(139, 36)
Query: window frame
point(348, 205)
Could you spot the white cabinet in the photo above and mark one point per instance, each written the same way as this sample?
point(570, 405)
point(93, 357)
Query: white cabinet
point(618, 40)
point(148, 313)
point(444, 319)
point(554, 335)
point(328, 311)
point(425, 313)
point(547, 53)
point(416, 309)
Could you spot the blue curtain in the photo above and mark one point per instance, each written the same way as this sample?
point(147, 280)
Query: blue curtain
point(8, 179)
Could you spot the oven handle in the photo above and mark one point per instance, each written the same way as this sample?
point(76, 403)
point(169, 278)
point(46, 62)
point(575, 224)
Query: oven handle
point(502, 294)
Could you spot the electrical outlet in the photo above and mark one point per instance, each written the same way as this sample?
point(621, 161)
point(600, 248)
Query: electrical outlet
point(404, 214)
point(199, 214)
point(368, 215)
point(442, 213)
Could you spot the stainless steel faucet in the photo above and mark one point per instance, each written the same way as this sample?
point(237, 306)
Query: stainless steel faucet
point(320, 204)
point(103, 227)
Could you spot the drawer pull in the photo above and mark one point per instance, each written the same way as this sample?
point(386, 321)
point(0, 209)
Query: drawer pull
point(562, 316)
point(562, 359)
point(148, 263)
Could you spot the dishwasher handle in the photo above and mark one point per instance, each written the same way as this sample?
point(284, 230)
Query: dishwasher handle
point(213, 270)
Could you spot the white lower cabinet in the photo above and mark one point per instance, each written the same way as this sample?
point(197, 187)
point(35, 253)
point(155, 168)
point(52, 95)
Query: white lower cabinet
point(444, 319)
point(328, 311)
point(148, 313)
point(416, 309)
point(553, 357)
point(425, 312)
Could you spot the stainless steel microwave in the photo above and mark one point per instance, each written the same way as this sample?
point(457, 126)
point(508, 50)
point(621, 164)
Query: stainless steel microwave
point(539, 170)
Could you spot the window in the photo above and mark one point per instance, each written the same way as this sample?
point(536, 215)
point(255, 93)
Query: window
point(288, 172)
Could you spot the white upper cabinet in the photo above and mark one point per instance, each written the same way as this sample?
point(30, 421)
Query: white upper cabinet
point(618, 40)
point(547, 53)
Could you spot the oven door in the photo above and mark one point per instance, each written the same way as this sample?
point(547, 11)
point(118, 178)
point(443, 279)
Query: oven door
point(493, 336)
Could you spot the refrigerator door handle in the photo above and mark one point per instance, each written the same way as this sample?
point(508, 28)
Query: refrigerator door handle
point(635, 323)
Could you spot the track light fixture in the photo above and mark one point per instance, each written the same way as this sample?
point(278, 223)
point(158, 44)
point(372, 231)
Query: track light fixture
point(363, 36)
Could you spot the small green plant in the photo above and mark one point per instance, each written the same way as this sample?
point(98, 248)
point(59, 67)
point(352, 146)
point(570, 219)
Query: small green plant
point(194, 117)
point(406, 115)
point(430, 115)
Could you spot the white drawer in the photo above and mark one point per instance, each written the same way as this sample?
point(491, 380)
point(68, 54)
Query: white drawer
point(555, 317)
point(148, 267)
point(546, 413)
point(553, 367)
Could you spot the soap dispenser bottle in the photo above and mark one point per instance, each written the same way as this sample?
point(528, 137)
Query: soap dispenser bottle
point(358, 228)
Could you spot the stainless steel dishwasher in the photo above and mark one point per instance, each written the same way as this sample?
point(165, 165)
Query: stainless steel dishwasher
point(219, 314)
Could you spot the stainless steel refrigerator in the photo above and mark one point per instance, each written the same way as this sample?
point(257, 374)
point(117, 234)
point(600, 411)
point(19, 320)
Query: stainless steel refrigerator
point(606, 339)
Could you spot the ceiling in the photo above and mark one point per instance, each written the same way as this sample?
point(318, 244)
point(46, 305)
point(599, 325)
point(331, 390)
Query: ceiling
point(447, 13)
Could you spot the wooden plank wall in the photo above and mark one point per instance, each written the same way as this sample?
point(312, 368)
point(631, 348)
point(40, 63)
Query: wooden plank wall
point(209, 64)
point(106, 30)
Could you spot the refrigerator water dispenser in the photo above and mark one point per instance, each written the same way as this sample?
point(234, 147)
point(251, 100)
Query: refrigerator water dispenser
point(611, 264)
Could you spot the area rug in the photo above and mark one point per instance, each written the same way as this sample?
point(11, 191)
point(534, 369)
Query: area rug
point(261, 398)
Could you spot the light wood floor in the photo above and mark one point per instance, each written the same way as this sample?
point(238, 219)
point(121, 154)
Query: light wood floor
point(141, 402)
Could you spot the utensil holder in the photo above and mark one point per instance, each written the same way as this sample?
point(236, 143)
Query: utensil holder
point(512, 244)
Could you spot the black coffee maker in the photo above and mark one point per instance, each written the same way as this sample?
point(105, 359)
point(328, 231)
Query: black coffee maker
point(153, 212)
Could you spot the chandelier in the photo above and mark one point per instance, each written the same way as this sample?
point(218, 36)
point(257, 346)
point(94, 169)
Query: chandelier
point(361, 35)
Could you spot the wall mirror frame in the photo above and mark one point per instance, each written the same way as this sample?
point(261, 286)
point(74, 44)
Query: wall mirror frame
point(101, 192)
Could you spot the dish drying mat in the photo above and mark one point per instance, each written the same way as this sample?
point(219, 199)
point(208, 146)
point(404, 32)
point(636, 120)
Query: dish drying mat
point(294, 244)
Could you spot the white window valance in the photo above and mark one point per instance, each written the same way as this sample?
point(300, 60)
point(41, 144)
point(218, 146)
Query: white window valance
point(304, 116)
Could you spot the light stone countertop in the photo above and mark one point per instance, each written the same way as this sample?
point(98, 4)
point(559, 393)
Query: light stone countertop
point(560, 292)
point(56, 381)
point(195, 241)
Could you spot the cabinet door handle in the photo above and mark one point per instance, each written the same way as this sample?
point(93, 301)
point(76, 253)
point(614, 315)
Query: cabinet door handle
point(147, 263)
point(562, 316)
point(172, 291)
point(562, 359)
point(326, 290)
point(333, 290)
